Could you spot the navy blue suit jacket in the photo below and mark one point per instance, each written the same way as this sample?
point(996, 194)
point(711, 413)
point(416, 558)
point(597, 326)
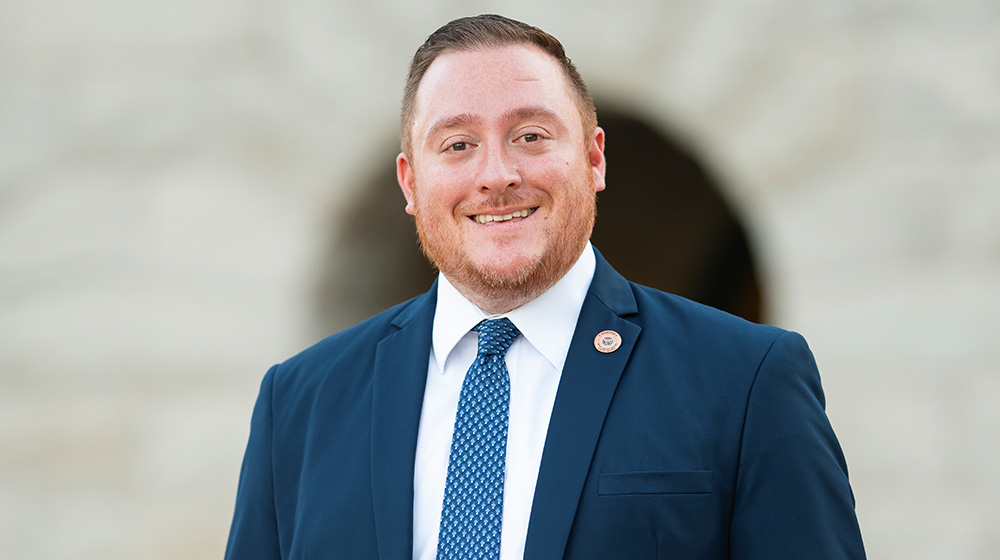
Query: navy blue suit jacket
point(702, 437)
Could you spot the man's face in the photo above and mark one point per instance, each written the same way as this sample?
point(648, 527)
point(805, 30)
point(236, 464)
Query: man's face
point(500, 178)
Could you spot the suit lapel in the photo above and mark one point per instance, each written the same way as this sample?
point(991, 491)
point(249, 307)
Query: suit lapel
point(588, 383)
point(397, 396)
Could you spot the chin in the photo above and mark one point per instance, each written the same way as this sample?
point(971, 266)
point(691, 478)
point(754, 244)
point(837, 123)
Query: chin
point(501, 274)
point(503, 262)
point(510, 274)
point(518, 279)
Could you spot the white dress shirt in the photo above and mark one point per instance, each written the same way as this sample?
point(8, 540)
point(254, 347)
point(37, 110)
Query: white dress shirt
point(534, 361)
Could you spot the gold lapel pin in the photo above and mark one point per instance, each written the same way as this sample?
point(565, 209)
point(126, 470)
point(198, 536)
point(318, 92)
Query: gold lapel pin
point(607, 341)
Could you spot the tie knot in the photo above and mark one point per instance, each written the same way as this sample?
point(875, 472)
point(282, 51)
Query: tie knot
point(496, 336)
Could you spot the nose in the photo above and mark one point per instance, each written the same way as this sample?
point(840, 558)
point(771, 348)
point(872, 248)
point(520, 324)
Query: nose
point(498, 171)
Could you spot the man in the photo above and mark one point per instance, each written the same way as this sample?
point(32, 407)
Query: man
point(534, 403)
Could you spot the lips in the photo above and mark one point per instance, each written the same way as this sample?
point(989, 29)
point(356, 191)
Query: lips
point(488, 218)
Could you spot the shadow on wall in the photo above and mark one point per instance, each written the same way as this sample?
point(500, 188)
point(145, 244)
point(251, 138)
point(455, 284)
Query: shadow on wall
point(662, 222)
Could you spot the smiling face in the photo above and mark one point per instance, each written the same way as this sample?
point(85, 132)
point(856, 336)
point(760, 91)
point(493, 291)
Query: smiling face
point(500, 177)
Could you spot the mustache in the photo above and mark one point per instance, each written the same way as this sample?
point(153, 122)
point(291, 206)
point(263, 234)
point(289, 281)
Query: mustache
point(503, 200)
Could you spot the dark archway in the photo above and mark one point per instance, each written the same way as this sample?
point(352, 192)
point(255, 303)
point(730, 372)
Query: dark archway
point(662, 222)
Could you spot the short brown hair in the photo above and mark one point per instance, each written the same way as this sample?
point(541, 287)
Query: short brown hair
point(482, 32)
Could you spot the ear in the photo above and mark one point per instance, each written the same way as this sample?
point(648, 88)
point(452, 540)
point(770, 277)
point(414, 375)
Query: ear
point(404, 174)
point(595, 154)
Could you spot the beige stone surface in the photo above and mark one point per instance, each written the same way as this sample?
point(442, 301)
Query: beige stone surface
point(170, 174)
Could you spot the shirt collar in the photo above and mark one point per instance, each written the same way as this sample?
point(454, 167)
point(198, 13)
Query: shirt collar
point(547, 322)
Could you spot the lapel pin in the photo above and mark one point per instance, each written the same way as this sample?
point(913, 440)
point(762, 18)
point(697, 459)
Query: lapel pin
point(607, 341)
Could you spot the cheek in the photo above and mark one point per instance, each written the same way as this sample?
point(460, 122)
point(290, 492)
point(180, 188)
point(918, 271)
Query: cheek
point(563, 179)
point(437, 191)
point(548, 175)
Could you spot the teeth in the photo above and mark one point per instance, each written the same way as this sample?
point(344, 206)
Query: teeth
point(487, 218)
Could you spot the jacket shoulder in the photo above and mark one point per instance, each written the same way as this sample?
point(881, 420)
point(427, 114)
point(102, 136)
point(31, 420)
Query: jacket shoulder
point(349, 353)
point(690, 318)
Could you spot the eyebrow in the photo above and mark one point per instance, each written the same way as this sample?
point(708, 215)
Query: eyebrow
point(524, 113)
point(457, 121)
point(468, 119)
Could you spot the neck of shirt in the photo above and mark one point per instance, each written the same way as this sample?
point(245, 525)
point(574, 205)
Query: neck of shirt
point(547, 322)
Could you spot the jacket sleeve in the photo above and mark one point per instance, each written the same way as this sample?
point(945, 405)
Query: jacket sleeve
point(793, 498)
point(254, 532)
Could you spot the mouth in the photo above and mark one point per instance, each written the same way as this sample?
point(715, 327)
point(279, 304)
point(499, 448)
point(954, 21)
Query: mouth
point(489, 218)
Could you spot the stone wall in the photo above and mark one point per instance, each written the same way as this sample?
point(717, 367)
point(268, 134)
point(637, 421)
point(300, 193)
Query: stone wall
point(171, 173)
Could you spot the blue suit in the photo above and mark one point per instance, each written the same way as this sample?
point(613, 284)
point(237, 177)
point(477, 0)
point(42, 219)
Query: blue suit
point(702, 437)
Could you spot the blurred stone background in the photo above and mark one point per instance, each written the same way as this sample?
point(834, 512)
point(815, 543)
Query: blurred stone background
point(175, 178)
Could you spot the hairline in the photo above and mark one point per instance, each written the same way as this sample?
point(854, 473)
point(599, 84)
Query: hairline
point(584, 103)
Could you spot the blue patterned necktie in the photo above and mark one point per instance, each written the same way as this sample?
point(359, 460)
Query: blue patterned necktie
point(473, 496)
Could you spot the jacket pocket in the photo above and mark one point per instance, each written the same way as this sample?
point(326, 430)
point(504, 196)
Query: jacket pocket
point(655, 482)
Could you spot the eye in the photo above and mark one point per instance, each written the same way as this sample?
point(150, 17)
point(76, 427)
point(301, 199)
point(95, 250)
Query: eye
point(458, 146)
point(531, 137)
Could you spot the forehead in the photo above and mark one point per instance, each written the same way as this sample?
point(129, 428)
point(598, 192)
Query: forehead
point(492, 81)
